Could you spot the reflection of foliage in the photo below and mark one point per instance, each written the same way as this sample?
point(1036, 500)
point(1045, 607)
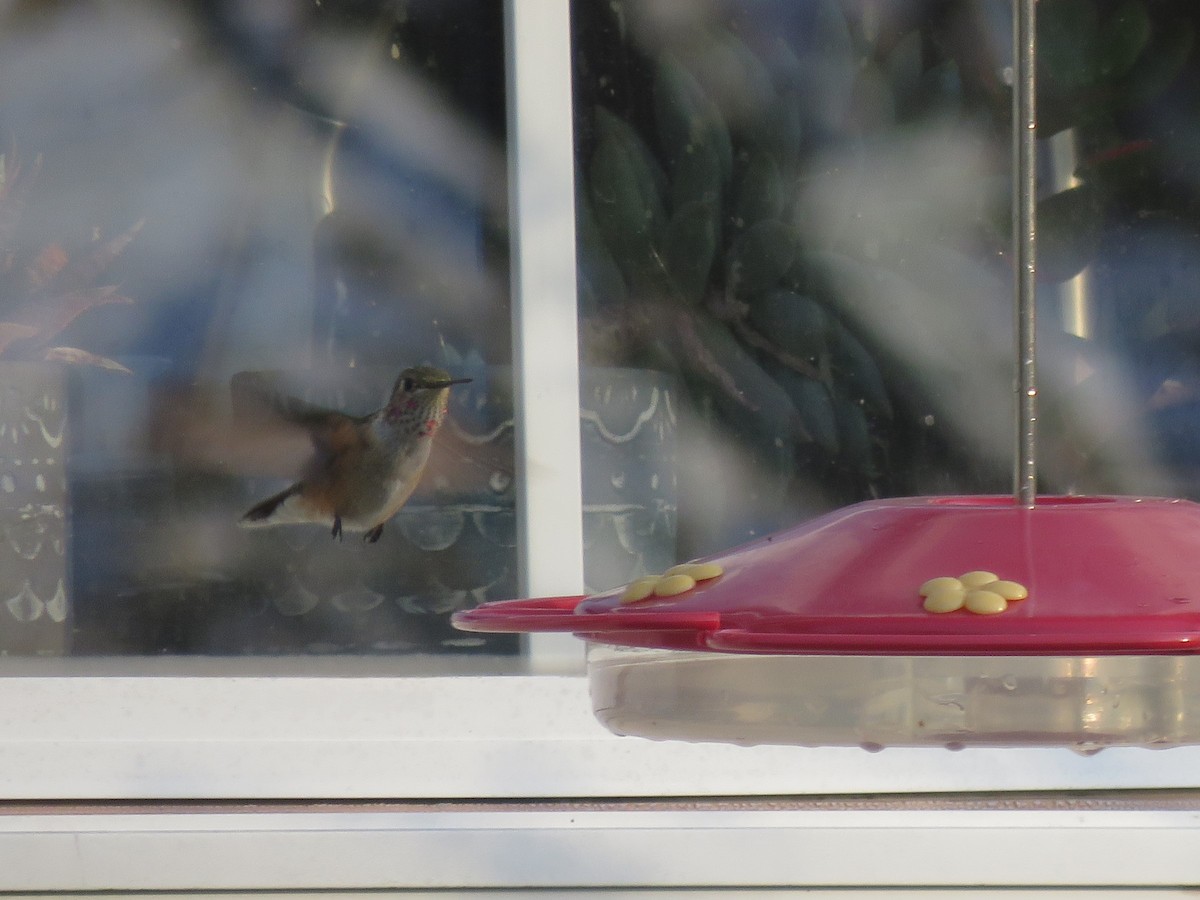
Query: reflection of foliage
point(44, 290)
point(695, 252)
point(1101, 65)
point(704, 142)
point(1116, 79)
point(1097, 60)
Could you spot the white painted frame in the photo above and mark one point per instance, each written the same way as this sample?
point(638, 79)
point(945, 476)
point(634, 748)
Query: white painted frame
point(607, 849)
point(545, 315)
point(487, 737)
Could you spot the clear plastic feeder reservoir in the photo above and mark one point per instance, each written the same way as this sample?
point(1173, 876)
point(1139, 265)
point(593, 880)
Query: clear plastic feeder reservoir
point(947, 621)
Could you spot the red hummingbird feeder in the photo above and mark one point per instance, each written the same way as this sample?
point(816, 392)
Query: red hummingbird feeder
point(1064, 621)
point(820, 635)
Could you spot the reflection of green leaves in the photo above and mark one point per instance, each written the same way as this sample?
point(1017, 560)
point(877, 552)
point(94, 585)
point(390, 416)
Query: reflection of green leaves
point(1096, 65)
point(1159, 64)
point(760, 194)
point(854, 436)
point(783, 131)
point(1066, 36)
point(797, 324)
point(1068, 232)
point(731, 75)
point(761, 255)
point(857, 373)
point(812, 401)
point(686, 117)
point(600, 279)
point(696, 176)
point(624, 186)
point(689, 246)
point(750, 390)
point(834, 67)
point(756, 150)
point(1123, 36)
point(645, 169)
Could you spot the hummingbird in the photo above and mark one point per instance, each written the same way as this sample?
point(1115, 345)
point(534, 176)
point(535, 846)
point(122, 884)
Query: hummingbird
point(363, 468)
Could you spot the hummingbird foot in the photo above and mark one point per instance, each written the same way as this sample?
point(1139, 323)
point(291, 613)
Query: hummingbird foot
point(337, 527)
point(373, 535)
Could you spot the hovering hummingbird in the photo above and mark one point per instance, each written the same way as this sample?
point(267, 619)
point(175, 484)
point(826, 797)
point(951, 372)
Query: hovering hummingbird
point(364, 467)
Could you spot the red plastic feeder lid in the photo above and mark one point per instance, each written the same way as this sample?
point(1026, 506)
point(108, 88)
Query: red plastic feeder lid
point(1068, 576)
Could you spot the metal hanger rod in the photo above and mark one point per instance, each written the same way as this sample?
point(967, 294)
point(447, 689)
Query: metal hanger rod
point(1025, 245)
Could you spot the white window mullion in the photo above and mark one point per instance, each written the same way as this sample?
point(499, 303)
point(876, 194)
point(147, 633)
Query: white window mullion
point(545, 325)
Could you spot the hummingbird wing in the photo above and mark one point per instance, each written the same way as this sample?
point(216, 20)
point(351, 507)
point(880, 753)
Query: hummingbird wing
point(470, 463)
point(336, 435)
point(256, 397)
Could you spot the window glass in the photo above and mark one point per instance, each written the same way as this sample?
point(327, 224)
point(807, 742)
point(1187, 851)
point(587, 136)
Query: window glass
point(801, 214)
point(793, 224)
point(218, 218)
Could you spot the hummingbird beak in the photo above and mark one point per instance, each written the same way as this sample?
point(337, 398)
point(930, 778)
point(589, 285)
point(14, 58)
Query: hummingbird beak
point(451, 381)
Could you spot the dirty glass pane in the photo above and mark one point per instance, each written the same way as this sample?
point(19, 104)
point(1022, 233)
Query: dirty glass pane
point(799, 213)
point(218, 218)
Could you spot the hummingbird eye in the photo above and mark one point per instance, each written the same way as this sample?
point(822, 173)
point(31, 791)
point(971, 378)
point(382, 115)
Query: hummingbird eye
point(408, 384)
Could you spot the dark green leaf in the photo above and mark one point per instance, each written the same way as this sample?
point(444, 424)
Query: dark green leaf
point(761, 256)
point(686, 116)
point(624, 190)
point(648, 175)
point(832, 66)
point(812, 401)
point(794, 323)
point(760, 194)
point(600, 281)
point(1123, 36)
point(854, 436)
point(784, 130)
point(739, 82)
point(688, 247)
point(696, 176)
point(856, 373)
point(1066, 34)
point(744, 390)
point(1159, 65)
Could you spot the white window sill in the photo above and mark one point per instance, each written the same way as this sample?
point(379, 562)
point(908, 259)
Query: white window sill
point(498, 737)
point(589, 848)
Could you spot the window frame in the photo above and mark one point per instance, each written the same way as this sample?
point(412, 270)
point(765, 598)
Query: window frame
point(246, 737)
point(582, 848)
point(251, 729)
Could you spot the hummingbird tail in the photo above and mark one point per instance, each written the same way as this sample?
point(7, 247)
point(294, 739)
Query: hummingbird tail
point(261, 513)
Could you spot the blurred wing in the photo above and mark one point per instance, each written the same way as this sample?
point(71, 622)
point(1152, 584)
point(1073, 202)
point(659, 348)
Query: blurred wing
point(257, 395)
point(334, 434)
point(192, 425)
point(463, 465)
point(257, 400)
